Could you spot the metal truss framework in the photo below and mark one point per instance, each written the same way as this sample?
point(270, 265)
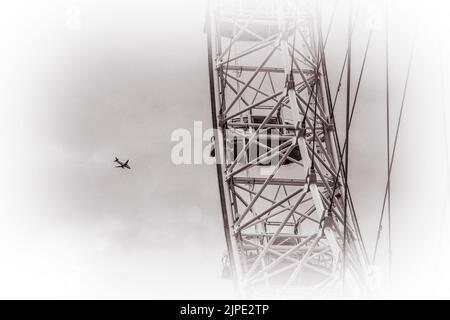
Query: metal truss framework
point(283, 206)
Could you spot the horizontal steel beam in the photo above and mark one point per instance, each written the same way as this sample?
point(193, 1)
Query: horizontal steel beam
point(266, 69)
point(275, 181)
point(269, 126)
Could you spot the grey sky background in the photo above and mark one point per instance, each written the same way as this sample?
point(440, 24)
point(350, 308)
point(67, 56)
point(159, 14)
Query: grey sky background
point(71, 225)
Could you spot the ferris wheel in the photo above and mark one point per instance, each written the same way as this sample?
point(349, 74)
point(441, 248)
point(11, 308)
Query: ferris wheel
point(288, 213)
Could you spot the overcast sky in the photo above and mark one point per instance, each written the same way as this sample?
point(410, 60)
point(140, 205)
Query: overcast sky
point(72, 225)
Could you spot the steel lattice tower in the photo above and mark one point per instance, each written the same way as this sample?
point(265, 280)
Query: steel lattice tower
point(277, 150)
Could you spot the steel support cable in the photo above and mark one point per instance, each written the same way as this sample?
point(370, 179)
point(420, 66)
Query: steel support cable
point(343, 67)
point(399, 119)
point(320, 63)
point(345, 142)
point(322, 58)
point(316, 76)
point(331, 106)
point(322, 46)
point(321, 54)
point(314, 131)
point(347, 115)
point(351, 117)
point(339, 85)
point(336, 138)
point(388, 141)
point(309, 99)
point(355, 98)
point(313, 88)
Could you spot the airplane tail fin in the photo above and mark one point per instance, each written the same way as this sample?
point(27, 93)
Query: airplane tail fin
point(116, 159)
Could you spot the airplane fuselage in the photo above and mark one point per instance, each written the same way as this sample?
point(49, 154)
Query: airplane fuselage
point(122, 165)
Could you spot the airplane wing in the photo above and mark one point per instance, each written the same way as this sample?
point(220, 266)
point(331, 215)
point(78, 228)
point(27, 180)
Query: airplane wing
point(126, 163)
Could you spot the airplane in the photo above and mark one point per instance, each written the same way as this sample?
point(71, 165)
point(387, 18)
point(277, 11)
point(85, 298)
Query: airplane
point(122, 165)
